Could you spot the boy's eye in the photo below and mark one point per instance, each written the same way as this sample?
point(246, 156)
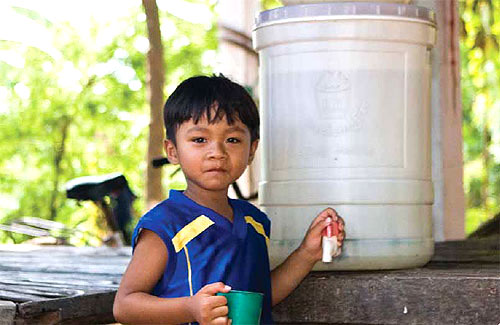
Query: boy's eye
point(233, 140)
point(199, 140)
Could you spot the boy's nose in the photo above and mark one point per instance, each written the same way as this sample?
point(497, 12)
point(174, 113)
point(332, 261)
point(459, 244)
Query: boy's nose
point(217, 151)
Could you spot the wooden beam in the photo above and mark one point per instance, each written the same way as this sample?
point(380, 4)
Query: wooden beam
point(242, 40)
point(461, 285)
point(7, 312)
point(98, 307)
point(418, 296)
point(447, 161)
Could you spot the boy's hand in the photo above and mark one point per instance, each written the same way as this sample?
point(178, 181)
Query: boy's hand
point(207, 308)
point(310, 248)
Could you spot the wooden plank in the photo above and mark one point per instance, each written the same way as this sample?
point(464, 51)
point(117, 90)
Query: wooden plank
point(32, 273)
point(65, 264)
point(90, 277)
point(47, 318)
point(97, 305)
point(7, 312)
point(66, 250)
point(64, 259)
point(41, 291)
point(18, 297)
point(51, 281)
point(65, 268)
point(417, 296)
point(30, 287)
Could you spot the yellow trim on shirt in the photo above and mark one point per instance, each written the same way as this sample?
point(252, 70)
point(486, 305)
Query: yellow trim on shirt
point(190, 231)
point(258, 228)
point(189, 271)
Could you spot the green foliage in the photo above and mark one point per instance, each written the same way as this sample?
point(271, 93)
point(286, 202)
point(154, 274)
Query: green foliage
point(480, 58)
point(84, 112)
point(271, 4)
point(77, 106)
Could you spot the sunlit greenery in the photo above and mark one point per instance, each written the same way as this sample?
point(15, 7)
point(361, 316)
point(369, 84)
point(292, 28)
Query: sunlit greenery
point(271, 4)
point(480, 58)
point(81, 109)
point(76, 105)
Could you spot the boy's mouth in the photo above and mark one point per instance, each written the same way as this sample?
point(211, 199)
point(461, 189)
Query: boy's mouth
point(216, 170)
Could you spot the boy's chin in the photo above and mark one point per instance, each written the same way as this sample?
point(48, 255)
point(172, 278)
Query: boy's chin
point(216, 187)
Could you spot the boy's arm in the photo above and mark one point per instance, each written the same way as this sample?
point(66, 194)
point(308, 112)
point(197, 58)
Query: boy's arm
point(288, 275)
point(134, 303)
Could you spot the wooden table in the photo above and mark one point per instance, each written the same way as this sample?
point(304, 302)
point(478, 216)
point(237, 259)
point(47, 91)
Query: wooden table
point(461, 285)
point(67, 285)
point(59, 284)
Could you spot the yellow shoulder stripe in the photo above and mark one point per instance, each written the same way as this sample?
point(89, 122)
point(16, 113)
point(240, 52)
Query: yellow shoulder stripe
point(259, 228)
point(190, 231)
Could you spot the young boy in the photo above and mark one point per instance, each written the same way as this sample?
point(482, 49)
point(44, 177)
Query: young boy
point(199, 242)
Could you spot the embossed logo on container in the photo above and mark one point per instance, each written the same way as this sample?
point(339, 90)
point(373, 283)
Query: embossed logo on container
point(337, 113)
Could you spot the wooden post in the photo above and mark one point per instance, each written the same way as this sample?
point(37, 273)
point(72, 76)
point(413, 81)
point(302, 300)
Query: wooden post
point(155, 82)
point(239, 62)
point(447, 162)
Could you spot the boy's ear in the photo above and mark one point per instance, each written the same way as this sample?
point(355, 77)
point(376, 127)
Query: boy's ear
point(171, 151)
point(253, 149)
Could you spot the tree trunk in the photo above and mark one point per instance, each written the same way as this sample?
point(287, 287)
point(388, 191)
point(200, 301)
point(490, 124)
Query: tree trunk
point(59, 154)
point(155, 82)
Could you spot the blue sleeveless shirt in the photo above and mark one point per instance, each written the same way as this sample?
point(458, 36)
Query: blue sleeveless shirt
point(205, 247)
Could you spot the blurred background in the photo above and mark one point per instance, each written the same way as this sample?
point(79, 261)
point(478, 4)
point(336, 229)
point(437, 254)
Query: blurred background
point(74, 101)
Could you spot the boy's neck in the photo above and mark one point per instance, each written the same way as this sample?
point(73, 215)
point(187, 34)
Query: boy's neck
point(216, 201)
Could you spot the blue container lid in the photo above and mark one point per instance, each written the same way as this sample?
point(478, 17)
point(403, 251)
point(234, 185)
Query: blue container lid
point(345, 10)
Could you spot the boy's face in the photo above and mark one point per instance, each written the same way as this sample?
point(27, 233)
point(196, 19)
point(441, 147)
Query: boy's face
point(212, 156)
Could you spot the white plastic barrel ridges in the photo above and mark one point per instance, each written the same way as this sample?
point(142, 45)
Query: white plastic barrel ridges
point(345, 106)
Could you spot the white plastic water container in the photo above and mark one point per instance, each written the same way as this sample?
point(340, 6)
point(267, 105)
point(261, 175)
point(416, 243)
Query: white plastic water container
point(345, 113)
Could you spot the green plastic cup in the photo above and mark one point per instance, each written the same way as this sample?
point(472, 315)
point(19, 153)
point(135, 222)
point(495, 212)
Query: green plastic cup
point(245, 307)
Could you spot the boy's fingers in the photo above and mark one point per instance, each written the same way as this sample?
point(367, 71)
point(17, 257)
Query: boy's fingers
point(323, 215)
point(341, 236)
point(340, 239)
point(317, 229)
point(316, 221)
point(212, 288)
point(341, 223)
point(329, 212)
point(220, 311)
point(220, 321)
point(218, 301)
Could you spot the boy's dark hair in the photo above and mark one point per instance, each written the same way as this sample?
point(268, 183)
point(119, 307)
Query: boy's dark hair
point(198, 96)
